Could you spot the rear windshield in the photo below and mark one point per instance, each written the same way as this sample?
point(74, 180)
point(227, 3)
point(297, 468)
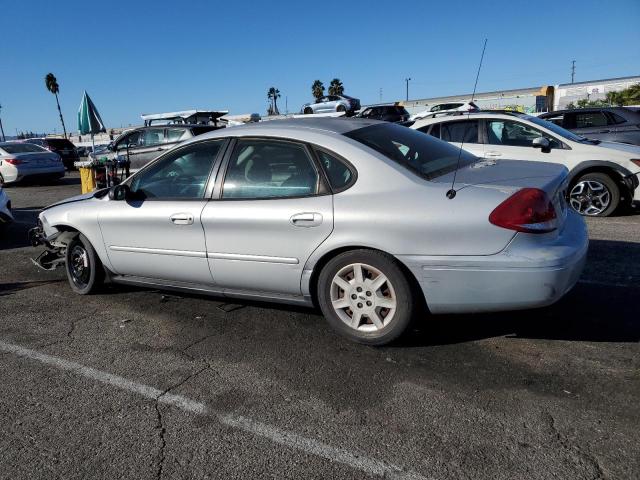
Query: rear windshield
point(423, 154)
point(59, 143)
point(21, 148)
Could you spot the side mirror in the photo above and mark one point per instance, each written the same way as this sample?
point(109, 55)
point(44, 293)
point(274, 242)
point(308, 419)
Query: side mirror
point(541, 143)
point(119, 192)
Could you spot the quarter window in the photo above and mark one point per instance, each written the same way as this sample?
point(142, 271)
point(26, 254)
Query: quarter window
point(181, 174)
point(260, 169)
point(590, 119)
point(514, 134)
point(176, 134)
point(458, 132)
point(339, 174)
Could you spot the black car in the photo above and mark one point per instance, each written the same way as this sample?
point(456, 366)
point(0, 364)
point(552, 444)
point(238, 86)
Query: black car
point(614, 124)
point(141, 145)
point(387, 113)
point(61, 146)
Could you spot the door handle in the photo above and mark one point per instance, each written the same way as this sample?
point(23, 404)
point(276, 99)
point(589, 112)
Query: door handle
point(306, 219)
point(182, 219)
point(604, 131)
point(159, 149)
point(492, 154)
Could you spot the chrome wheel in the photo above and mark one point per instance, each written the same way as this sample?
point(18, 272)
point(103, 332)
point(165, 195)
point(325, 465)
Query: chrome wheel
point(363, 297)
point(589, 197)
point(79, 266)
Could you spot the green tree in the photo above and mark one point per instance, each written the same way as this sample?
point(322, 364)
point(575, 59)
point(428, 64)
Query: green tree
point(317, 89)
point(336, 87)
point(52, 85)
point(273, 94)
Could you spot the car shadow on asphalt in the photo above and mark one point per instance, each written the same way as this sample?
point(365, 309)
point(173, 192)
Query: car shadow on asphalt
point(39, 182)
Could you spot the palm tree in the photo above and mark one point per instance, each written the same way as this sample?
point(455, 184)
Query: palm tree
point(317, 89)
point(52, 85)
point(336, 87)
point(273, 95)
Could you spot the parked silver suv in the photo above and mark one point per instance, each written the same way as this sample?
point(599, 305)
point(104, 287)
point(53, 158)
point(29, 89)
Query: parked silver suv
point(333, 103)
point(141, 145)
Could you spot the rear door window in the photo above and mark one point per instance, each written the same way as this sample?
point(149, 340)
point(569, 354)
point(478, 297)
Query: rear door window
point(176, 134)
point(457, 132)
point(261, 169)
point(152, 136)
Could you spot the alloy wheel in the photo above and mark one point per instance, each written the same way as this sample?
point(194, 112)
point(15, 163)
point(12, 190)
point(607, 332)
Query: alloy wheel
point(589, 197)
point(363, 297)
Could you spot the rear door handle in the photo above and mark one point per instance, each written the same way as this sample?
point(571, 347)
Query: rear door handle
point(604, 131)
point(306, 219)
point(492, 154)
point(182, 219)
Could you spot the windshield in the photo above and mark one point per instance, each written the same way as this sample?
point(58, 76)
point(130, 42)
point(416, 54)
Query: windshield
point(555, 129)
point(423, 154)
point(21, 148)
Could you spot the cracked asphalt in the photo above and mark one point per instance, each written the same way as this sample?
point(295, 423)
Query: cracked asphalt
point(100, 386)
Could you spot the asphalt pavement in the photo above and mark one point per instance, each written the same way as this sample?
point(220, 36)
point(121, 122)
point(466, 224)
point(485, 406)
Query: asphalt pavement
point(138, 383)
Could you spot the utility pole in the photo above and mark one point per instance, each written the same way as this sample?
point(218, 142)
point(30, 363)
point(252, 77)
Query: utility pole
point(407, 82)
point(380, 94)
point(2, 129)
point(573, 70)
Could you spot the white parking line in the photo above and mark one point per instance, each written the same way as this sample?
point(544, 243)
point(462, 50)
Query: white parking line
point(371, 466)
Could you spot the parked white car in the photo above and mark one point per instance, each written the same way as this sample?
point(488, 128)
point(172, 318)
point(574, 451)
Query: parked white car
point(603, 175)
point(444, 109)
point(5, 209)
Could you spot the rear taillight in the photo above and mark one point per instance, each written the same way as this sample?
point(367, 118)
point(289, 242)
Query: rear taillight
point(13, 161)
point(528, 210)
point(636, 161)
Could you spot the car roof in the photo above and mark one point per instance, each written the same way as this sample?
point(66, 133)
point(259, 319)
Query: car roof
point(591, 109)
point(471, 115)
point(338, 125)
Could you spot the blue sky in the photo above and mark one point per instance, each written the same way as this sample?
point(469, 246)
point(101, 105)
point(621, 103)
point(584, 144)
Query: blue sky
point(152, 56)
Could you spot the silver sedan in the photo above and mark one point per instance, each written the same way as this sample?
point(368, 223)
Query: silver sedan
point(19, 160)
point(356, 216)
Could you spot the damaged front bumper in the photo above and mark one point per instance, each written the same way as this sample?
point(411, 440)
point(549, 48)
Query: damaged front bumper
point(54, 254)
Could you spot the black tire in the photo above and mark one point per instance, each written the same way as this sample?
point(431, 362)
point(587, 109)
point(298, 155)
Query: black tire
point(341, 108)
point(83, 266)
point(597, 178)
point(308, 111)
point(398, 288)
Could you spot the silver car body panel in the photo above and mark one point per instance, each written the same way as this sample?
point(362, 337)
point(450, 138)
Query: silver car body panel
point(250, 248)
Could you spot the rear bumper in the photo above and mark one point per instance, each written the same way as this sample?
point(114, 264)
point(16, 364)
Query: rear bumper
point(530, 272)
point(18, 174)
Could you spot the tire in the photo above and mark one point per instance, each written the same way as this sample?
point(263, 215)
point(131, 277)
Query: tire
point(308, 111)
point(341, 108)
point(594, 195)
point(83, 266)
point(376, 324)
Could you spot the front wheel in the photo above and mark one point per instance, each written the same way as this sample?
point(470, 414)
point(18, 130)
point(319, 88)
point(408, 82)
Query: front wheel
point(595, 195)
point(308, 111)
point(341, 108)
point(84, 269)
point(366, 297)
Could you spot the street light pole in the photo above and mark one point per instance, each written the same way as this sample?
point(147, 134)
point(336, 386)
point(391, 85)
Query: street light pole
point(407, 82)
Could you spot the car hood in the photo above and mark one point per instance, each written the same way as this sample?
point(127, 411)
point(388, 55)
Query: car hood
point(78, 198)
point(632, 151)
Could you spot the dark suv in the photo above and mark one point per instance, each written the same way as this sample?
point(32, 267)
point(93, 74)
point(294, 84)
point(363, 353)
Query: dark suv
point(388, 113)
point(141, 145)
point(61, 146)
point(614, 124)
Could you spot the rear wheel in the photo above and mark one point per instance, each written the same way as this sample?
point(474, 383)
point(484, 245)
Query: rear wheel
point(84, 269)
point(341, 108)
point(366, 297)
point(595, 195)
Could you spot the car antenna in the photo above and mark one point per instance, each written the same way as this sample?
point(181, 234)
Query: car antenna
point(451, 193)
